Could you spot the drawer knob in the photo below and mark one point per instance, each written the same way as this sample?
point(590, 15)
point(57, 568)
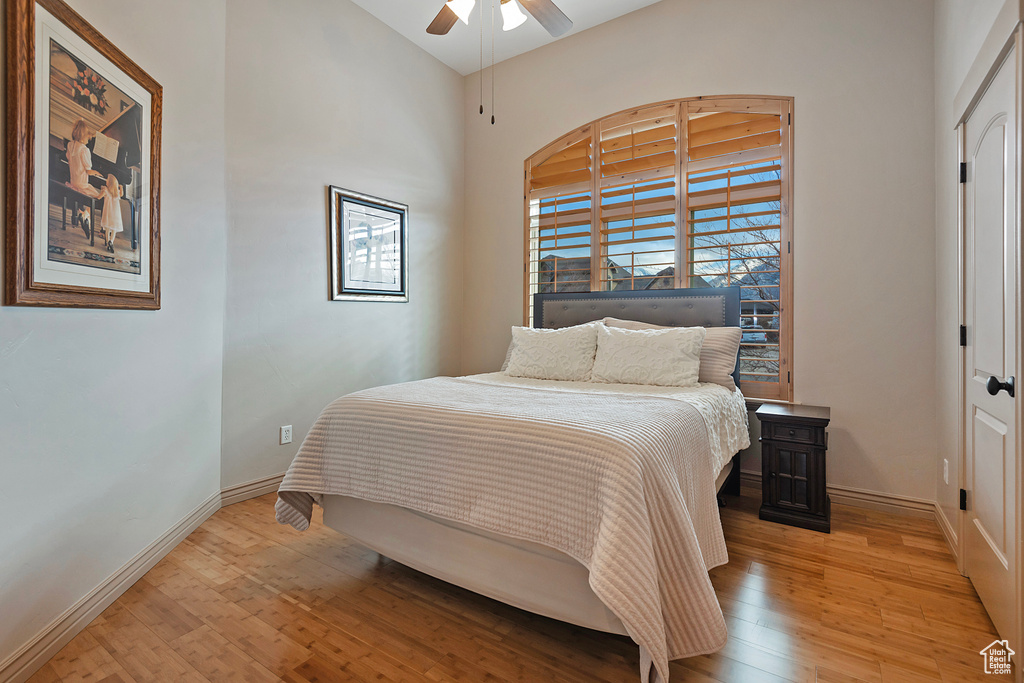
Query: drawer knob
point(792, 432)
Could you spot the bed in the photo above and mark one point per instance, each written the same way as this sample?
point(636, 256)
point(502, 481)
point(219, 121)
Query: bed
point(498, 433)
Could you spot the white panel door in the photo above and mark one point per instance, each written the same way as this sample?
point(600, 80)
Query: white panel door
point(990, 220)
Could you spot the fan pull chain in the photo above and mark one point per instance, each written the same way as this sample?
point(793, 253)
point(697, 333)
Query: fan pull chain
point(492, 60)
point(481, 61)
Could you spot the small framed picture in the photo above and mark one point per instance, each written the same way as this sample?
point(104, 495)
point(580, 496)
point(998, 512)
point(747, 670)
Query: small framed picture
point(369, 245)
point(83, 158)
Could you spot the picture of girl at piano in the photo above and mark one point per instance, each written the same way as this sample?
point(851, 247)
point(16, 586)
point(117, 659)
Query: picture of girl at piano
point(110, 219)
point(80, 161)
point(97, 171)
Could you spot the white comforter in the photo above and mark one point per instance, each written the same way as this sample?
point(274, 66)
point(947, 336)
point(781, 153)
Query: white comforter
point(621, 478)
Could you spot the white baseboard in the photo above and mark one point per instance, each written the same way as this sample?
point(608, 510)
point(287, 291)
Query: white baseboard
point(22, 664)
point(886, 502)
point(30, 657)
point(250, 489)
point(871, 500)
point(949, 532)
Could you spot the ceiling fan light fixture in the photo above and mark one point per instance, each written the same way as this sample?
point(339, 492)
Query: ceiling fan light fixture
point(511, 15)
point(462, 8)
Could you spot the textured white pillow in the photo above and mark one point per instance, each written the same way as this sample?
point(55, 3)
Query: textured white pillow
point(717, 355)
point(669, 357)
point(566, 353)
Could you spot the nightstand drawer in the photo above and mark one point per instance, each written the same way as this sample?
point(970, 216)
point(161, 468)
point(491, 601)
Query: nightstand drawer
point(780, 431)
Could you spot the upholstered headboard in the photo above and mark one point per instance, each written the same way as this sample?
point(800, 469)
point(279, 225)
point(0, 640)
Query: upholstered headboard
point(697, 307)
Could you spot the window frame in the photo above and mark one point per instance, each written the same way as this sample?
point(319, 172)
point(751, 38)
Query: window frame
point(753, 104)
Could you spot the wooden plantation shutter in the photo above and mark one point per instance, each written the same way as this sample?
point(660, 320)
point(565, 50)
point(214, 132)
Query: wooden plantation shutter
point(559, 183)
point(736, 151)
point(689, 193)
point(638, 205)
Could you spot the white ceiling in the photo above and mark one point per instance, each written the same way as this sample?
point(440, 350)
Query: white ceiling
point(460, 49)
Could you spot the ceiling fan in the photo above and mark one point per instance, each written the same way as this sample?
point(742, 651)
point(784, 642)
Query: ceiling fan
point(544, 11)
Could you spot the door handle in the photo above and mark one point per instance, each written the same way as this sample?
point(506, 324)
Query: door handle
point(994, 386)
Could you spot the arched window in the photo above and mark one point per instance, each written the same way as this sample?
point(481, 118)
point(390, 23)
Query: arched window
point(689, 193)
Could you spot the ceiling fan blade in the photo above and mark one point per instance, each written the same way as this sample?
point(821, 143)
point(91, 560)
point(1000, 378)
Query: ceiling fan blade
point(548, 16)
point(443, 22)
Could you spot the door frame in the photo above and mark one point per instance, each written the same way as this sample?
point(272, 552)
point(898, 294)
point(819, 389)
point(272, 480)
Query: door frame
point(979, 78)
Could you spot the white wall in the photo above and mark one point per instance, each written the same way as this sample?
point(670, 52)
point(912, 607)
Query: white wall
point(960, 29)
point(110, 420)
point(320, 93)
point(864, 246)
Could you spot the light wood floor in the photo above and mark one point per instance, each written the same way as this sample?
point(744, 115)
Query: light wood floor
point(245, 599)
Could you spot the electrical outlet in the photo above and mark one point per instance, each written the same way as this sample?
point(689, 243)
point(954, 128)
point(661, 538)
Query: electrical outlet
point(945, 471)
point(286, 434)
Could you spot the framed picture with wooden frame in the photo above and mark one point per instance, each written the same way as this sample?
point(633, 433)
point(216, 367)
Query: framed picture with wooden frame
point(369, 239)
point(83, 165)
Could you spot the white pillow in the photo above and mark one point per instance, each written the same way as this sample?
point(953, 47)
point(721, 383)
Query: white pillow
point(717, 356)
point(564, 354)
point(669, 357)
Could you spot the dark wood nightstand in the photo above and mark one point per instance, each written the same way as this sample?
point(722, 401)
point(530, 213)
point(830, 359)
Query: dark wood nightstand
point(793, 445)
